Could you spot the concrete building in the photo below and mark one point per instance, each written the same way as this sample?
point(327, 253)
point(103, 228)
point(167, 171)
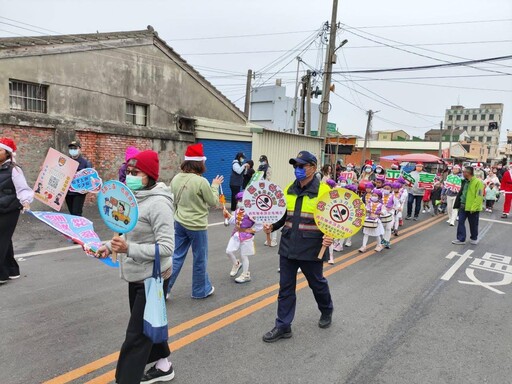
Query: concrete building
point(477, 122)
point(272, 109)
point(392, 135)
point(109, 90)
point(455, 135)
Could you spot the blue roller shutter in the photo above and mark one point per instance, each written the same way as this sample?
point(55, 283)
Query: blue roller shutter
point(220, 154)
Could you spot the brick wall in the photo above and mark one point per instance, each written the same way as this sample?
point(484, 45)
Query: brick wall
point(105, 151)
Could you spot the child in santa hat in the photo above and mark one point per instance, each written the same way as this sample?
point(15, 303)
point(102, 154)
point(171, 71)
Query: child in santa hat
point(242, 239)
point(15, 197)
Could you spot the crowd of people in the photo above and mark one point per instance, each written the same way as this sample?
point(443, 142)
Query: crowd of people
point(175, 218)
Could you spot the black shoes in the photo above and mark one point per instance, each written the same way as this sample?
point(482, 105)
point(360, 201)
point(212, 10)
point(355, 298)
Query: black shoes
point(154, 375)
point(277, 334)
point(325, 320)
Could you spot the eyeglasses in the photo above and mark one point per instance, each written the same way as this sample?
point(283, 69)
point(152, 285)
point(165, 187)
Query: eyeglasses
point(133, 172)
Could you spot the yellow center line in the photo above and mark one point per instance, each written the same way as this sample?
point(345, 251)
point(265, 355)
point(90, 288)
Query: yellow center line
point(209, 329)
point(111, 358)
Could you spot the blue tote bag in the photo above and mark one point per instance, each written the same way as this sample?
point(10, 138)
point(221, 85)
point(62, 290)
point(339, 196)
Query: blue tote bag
point(155, 314)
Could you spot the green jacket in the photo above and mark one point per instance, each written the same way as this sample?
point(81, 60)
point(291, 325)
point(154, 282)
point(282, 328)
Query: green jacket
point(475, 195)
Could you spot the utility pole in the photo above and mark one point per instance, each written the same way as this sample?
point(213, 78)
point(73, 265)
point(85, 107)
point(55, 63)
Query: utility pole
point(440, 139)
point(295, 99)
point(366, 136)
point(329, 58)
point(450, 147)
point(302, 119)
point(308, 103)
point(248, 93)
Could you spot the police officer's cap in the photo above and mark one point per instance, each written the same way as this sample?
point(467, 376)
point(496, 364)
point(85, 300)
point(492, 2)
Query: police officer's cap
point(304, 157)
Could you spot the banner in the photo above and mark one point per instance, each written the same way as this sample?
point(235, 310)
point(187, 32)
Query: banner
point(453, 183)
point(86, 180)
point(54, 180)
point(427, 180)
point(410, 180)
point(77, 228)
point(392, 175)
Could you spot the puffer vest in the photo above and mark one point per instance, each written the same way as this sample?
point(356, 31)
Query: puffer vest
point(8, 200)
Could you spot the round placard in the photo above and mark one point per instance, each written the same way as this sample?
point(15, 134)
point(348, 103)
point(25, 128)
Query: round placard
point(118, 206)
point(264, 202)
point(340, 213)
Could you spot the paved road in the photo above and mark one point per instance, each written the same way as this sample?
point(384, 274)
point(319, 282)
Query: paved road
point(402, 316)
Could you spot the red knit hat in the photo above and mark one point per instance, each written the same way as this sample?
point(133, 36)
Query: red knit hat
point(147, 162)
point(195, 152)
point(7, 144)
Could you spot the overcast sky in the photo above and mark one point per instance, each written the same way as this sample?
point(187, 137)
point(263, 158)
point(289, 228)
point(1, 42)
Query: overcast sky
point(177, 21)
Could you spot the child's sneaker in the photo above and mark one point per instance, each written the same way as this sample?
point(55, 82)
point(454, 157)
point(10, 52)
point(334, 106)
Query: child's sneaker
point(362, 249)
point(348, 243)
point(387, 245)
point(424, 211)
point(243, 278)
point(235, 269)
point(338, 247)
point(378, 248)
point(331, 262)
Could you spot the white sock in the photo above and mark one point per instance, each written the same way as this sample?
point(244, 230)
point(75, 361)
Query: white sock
point(245, 263)
point(232, 257)
point(365, 240)
point(163, 364)
point(378, 240)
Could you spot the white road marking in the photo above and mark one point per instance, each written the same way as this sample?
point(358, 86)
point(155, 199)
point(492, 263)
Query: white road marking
point(455, 267)
point(62, 249)
point(497, 221)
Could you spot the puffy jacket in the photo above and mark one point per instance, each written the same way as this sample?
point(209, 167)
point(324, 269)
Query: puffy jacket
point(474, 196)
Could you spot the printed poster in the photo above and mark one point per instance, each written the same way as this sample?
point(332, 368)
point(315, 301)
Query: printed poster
point(54, 180)
point(264, 202)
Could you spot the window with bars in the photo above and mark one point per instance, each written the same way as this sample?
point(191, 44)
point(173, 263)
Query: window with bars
point(491, 116)
point(466, 117)
point(474, 117)
point(136, 113)
point(30, 97)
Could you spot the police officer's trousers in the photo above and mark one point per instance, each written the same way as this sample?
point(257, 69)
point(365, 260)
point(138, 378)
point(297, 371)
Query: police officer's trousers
point(286, 302)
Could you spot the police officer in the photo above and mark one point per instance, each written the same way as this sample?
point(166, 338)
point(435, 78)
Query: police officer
point(301, 242)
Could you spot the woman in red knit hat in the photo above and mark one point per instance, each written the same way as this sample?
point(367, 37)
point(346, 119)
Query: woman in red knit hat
point(15, 196)
point(136, 252)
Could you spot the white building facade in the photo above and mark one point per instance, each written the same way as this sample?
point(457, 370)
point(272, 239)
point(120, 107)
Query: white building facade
point(478, 122)
point(272, 109)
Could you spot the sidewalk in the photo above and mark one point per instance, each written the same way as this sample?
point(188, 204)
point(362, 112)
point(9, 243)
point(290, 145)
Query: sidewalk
point(32, 235)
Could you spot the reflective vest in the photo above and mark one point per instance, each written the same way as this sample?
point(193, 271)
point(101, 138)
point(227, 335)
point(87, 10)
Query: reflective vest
point(301, 239)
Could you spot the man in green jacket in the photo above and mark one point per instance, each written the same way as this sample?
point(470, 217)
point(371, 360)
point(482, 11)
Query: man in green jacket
point(469, 201)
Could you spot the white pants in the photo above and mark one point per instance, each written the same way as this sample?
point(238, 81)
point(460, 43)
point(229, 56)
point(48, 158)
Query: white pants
point(246, 249)
point(452, 212)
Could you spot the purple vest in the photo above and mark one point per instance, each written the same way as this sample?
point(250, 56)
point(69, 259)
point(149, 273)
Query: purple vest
point(245, 223)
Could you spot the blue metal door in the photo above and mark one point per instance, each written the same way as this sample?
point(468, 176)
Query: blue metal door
point(220, 155)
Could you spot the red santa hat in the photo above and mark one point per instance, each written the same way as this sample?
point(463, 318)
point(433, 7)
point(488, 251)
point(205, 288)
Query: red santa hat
point(350, 165)
point(8, 145)
point(456, 166)
point(368, 162)
point(478, 165)
point(395, 166)
point(195, 152)
point(420, 164)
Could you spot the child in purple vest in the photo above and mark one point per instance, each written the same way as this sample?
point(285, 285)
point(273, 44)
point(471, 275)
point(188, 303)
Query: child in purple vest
point(241, 239)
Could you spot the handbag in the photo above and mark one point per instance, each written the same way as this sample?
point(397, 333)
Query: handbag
point(155, 313)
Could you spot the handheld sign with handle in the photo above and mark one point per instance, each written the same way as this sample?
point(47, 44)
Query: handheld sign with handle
point(340, 213)
point(264, 203)
point(118, 208)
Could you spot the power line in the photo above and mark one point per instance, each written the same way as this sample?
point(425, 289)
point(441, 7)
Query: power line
point(433, 24)
point(422, 67)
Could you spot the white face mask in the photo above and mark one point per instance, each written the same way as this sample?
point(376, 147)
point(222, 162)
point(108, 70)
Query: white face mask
point(378, 170)
point(374, 199)
point(240, 205)
point(368, 170)
point(385, 192)
point(349, 169)
point(343, 184)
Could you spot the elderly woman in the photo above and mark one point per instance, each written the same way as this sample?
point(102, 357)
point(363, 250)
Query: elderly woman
point(137, 255)
point(15, 196)
point(193, 198)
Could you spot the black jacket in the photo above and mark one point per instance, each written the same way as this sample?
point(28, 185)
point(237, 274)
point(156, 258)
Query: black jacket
point(457, 203)
point(295, 243)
